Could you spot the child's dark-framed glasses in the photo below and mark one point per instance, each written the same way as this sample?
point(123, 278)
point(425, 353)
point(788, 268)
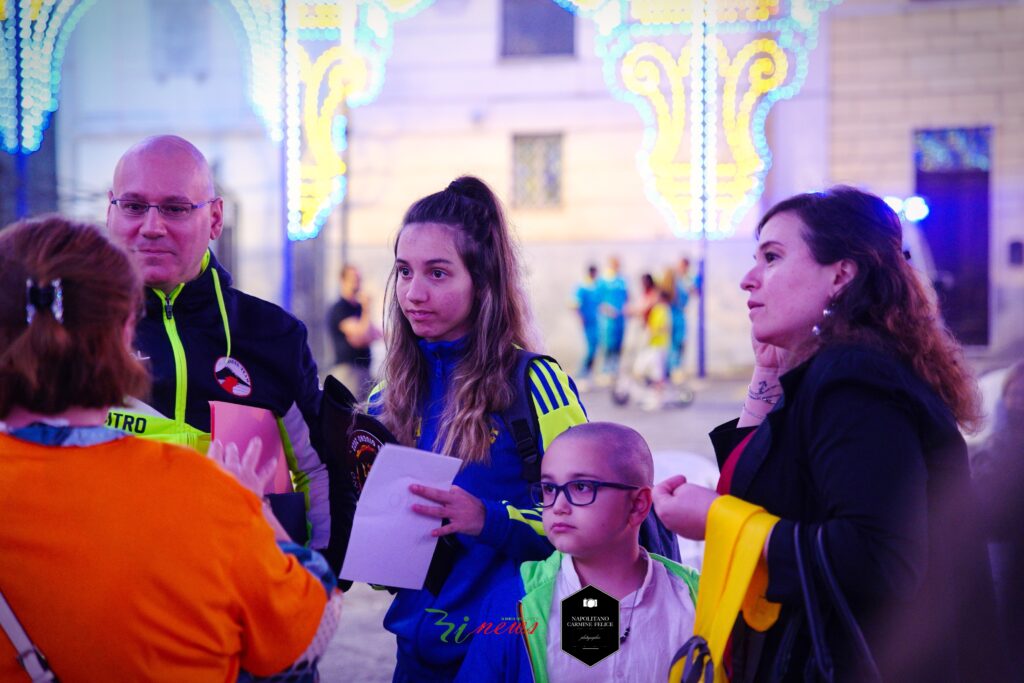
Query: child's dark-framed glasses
point(578, 492)
point(172, 210)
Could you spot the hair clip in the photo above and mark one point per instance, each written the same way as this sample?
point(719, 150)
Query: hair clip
point(38, 297)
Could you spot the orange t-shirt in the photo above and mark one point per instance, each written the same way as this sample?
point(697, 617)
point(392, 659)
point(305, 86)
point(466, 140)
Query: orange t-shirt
point(139, 561)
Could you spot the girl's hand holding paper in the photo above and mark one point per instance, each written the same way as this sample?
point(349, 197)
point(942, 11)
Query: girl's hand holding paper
point(464, 511)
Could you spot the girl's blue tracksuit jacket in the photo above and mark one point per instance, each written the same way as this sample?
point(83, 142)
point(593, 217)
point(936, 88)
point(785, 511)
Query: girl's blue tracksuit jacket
point(434, 631)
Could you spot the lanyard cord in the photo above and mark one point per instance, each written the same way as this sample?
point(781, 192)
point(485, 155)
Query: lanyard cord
point(223, 311)
point(629, 624)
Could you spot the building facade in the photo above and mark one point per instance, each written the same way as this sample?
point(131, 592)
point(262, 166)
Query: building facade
point(901, 97)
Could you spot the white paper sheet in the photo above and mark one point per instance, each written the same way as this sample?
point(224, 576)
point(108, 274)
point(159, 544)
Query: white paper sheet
point(390, 544)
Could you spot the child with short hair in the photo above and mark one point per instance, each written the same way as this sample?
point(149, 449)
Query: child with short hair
point(595, 492)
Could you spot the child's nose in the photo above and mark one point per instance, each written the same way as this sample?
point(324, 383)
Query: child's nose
point(562, 505)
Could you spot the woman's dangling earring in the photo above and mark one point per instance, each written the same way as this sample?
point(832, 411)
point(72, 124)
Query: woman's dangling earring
point(816, 330)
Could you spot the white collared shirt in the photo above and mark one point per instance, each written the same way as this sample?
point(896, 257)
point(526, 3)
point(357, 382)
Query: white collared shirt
point(660, 621)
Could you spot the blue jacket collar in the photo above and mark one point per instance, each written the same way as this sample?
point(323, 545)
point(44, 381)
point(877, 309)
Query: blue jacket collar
point(444, 352)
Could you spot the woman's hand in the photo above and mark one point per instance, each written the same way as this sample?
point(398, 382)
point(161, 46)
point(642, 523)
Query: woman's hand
point(766, 356)
point(764, 390)
point(250, 473)
point(683, 507)
point(464, 511)
point(247, 469)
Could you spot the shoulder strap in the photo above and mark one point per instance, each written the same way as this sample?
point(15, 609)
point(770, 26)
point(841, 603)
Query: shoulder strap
point(521, 418)
point(29, 656)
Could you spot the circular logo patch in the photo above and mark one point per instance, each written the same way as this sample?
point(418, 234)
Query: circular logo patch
point(362, 451)
point(232, 376)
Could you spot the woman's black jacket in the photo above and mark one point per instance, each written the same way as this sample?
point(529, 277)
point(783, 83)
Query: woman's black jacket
point(863, 447)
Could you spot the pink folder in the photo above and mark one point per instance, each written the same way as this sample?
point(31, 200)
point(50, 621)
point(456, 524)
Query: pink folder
point(237, 424)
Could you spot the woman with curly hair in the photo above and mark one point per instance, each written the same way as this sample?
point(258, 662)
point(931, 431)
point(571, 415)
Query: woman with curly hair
point(850, 428)
point(457, 319)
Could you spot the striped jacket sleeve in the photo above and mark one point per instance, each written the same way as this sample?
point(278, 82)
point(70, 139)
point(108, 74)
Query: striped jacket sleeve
point(555, 400)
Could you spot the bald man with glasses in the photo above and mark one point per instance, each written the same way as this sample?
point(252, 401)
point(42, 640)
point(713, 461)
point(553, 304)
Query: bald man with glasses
point(203, 339)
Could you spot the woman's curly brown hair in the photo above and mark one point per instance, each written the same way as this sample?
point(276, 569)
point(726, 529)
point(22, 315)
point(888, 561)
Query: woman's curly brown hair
point(887, 304)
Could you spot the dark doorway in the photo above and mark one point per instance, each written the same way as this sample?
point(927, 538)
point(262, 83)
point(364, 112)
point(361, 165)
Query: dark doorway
point(957, 231)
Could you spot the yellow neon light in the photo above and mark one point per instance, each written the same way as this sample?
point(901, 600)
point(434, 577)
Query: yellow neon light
point(650, 71)
point(676, 12)
point(765, 66)
point(336, 73)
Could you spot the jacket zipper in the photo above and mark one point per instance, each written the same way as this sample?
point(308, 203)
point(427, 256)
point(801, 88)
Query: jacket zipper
point(178, 351)
point(526, 642)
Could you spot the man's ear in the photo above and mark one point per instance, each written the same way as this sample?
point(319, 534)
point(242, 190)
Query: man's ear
point(216, 218)
point(641, 506)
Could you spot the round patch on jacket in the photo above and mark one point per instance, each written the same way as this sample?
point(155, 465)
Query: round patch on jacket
point(232, 376)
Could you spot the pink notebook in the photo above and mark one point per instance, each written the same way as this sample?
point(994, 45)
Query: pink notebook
point(237, 424)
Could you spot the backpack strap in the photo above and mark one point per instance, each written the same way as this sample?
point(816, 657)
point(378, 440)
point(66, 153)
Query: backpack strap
point(29, 656)
point(521, 419)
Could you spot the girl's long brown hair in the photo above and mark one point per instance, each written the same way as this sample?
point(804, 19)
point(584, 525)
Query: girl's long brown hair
point(887, 304)
point(482, 382)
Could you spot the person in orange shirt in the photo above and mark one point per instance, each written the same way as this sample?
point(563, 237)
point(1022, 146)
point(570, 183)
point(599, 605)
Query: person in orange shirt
point(125, 559)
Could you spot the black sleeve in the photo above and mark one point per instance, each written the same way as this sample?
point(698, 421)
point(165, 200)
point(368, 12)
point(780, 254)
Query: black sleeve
point(866, 463)
point(726, 437)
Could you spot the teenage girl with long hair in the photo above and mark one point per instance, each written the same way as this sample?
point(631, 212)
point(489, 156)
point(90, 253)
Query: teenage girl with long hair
point(456, 318)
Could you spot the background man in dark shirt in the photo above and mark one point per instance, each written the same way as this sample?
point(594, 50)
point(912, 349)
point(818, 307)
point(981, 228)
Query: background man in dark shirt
point(352, 333)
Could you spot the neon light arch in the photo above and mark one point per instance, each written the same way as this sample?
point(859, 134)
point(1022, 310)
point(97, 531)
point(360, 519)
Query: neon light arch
point(335, 58)
point(45, 26)
point(713, 81)
point(299, 84)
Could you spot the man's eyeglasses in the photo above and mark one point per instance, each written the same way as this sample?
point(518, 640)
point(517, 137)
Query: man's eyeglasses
point(171, 210)
point(578, 492)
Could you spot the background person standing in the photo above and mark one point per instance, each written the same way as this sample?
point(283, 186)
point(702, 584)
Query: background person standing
point(586, 305)
point(613, 294)
point(680, 284)
point(352, 332)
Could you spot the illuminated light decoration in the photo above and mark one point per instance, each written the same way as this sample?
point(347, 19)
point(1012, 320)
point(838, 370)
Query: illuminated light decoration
point(261, 23)
point(702, 187)
point(953, 149)
point(895, 203)
point(335, 57)
point(46, 26)
point(915, 209)
point(31, 56)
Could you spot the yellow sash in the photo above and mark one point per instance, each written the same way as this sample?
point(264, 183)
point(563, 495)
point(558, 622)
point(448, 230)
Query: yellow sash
point(734, 577)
